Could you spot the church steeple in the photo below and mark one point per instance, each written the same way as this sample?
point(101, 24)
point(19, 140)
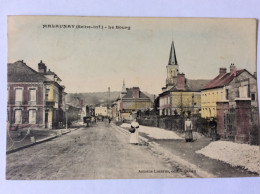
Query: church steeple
point(172, 68)
point(172, 58)
point(123, 88)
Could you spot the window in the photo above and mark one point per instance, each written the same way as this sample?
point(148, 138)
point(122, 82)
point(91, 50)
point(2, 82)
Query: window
point(8, 95)
point(18, 95)
point(18, 116)
point(237, 92)
point(243, 92)
point(32, 95)
point(226, 94)
point(32, 116)
point(56, 96)
point(253, 97)
point(47, 94)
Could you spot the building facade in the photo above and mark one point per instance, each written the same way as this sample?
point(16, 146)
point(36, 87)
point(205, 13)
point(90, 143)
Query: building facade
point(101, 111)
point(227, 87)
point(34, 99)
point(130, 101)
point(180, 95)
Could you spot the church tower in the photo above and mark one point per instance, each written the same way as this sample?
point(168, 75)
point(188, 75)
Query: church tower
point(172, 68)
point(123, 91)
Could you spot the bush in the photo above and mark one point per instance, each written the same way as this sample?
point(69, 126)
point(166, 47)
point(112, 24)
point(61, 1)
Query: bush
point(254, 135)
point(202, 125)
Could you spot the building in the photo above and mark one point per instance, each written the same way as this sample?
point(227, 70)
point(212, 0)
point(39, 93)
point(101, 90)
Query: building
point(227, 87)
point(101, 111)
point(180, 95)
point(130, 101)
point(75, 110)
point(35, 99)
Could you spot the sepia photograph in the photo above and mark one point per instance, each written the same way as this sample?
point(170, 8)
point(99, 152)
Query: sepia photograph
point(131, 98)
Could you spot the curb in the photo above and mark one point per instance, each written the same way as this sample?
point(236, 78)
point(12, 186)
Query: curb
point(39, 141)
point(198, 171)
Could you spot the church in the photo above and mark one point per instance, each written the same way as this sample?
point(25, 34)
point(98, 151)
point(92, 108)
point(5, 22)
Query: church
point(180, 95)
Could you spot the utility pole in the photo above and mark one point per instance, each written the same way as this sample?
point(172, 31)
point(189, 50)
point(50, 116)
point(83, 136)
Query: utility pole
point(109, 96)
point(108, 110)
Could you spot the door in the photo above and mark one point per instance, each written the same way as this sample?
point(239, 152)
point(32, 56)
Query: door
point(46, 119)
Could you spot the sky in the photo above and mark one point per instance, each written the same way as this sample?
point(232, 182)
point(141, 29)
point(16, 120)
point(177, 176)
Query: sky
point(91, 60)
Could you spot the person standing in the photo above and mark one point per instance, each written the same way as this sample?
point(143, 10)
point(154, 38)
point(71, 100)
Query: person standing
point(134, 137)
point(213, 128)
point(188, 130)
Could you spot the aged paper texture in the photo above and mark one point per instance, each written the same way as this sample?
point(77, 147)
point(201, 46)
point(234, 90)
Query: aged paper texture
point(120, 98)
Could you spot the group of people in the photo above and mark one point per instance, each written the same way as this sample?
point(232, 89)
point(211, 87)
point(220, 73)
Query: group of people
point(188, 127)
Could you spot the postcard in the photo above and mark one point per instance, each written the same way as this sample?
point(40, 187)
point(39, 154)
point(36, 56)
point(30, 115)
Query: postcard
point(131, 98)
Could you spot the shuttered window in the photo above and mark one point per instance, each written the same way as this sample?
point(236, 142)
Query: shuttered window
point(243, 92)
point(32, 93)
point(32, 116)
point(18, 95)
point(18, 116)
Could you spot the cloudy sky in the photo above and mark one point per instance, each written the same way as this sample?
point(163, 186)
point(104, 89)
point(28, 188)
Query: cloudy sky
point(91, 60)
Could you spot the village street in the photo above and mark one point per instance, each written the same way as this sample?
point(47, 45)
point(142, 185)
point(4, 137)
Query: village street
point(97, 152)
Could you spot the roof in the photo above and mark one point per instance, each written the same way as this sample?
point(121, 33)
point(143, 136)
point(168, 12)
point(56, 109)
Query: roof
point(223, 79)
point(51, 73)
point(196, 85)
point(192, 85)
point(20, 72)
point(129, 94)
point(172, 58)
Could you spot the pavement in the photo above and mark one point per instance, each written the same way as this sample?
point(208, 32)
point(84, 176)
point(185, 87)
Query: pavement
point(185, 153)
point(18, 140)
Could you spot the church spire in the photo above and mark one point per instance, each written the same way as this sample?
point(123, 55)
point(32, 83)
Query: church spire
point(123, 91)
point(172, 58)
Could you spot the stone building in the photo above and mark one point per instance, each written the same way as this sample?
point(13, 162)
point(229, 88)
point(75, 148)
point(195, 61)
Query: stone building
point(130, 101)
point(35, 99)
point(180, 95)
point(227, 87)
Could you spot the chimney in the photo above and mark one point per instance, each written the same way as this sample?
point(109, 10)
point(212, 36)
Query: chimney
point(181, 81)
point(136, 92)
point(255, 74)
point(232, 67)
point(41, 67)
point(222, 70)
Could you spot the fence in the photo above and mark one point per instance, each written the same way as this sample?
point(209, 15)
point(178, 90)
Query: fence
point(174, 123)
point(232, 122)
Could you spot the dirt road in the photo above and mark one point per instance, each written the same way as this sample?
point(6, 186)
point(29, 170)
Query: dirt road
point(98, 152)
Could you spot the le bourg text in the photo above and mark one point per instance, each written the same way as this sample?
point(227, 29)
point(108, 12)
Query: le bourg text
point(90, 27)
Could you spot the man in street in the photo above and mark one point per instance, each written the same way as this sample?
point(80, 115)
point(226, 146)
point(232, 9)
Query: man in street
point(213, 128)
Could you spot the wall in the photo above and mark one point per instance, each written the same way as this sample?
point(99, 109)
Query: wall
point(186, 102)
point(25, 105)
point(244, 79)
point(137, 104)
point(101, 111)
point(174, 123)
point(209, 98)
